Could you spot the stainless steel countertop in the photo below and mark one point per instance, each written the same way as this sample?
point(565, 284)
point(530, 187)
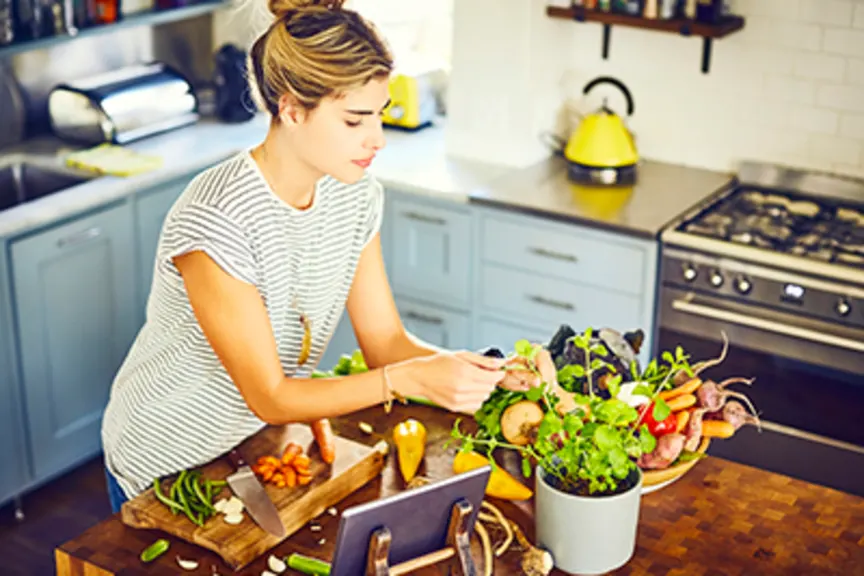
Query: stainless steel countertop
point(662, 192)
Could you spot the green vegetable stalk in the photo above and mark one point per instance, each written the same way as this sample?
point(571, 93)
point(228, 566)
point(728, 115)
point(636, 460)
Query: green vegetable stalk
point(308, 565)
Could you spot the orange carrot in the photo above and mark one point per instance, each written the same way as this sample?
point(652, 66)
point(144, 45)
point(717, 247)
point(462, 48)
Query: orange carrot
point(681, 402)
point(683, 418)
point(717, 429)
point(290, 477)
point(688, 387)
point(291, 452)
point(302, 479)
point(325, 439)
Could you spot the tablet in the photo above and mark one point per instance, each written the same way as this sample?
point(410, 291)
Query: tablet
point(417, 519)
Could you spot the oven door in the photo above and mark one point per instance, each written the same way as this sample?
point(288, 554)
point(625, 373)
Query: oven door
point(808, 388)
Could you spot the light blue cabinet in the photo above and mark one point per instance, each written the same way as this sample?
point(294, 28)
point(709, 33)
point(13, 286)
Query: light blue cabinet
point(14, 473)
point(75, 292)
point(151, 208)
point(431, 251)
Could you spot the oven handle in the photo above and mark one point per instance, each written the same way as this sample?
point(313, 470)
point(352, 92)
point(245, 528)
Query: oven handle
point(766, 325)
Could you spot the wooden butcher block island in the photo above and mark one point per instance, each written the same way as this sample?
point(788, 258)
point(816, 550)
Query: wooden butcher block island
point(720, 519)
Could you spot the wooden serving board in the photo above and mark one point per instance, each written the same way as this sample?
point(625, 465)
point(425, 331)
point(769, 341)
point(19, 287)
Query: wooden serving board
point(240, 544)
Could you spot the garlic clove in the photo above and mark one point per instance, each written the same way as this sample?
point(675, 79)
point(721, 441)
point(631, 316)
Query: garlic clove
point(332, 511)
point(187, 564)
point(234, 518)
point(233, 506)
point(366, 427)
point(276, 565)
point(267, 573)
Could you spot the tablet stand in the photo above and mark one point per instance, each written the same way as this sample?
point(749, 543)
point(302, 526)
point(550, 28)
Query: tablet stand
point(458, 546)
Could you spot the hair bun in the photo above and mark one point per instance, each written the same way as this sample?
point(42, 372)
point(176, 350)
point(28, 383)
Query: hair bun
point(281, 8)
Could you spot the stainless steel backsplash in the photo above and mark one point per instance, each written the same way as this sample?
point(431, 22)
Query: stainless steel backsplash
point(186, 45)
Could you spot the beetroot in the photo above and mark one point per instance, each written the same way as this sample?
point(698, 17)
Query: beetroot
point(713, 396)
point(693, 432)
point(668, 449)
point(736, 414)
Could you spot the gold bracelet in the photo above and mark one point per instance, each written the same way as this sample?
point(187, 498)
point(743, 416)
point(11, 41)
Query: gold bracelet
point(389, 393)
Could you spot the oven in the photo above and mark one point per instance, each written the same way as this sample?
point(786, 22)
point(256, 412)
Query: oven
point(800, 336)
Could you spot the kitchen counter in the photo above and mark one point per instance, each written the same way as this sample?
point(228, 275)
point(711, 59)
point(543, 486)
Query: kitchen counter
point(662, 192)
point(411, 162)
point(721, 518)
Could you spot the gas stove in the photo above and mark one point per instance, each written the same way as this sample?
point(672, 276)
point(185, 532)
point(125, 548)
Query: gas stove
point(775, 262)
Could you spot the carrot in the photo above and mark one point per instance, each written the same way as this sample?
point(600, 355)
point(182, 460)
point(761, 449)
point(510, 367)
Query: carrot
point(268, 474)
point(681, 402)
point(290, 477)
point(325, 439)
point(683, 417)
point(689, 387)
point(717, 429)
point(302, 461)
point(272, 461)
point(291, 452)
point(302, 479)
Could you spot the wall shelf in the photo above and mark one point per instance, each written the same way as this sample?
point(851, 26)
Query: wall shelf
point(144, 19)
point(708, 32)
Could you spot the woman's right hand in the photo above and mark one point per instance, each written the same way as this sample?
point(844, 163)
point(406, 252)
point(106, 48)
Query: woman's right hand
point(457, 381)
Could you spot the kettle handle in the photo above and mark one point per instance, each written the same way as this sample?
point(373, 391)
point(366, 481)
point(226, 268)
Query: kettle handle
point(618, 84)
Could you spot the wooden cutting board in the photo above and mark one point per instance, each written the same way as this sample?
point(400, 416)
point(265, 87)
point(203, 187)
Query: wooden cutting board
point(240, 544)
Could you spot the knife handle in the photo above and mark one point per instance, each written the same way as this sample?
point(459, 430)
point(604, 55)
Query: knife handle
point(236, 458)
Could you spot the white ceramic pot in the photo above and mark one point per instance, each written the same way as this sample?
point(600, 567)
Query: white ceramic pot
point(586, 534)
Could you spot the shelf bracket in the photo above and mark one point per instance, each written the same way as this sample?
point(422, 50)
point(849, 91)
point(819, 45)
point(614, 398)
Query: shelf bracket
point(706, 54)
point(607, 32)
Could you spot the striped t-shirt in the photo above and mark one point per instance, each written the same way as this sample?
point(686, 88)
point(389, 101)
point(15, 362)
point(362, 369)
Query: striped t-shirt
point(173, 405)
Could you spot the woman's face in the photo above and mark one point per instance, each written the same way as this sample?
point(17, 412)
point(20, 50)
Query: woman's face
point(341, 136)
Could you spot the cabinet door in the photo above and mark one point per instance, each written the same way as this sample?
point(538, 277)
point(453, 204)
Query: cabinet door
point(13, 470)
point(151, 209)
point(435, 325)
point(75, 302)
point(431, 251)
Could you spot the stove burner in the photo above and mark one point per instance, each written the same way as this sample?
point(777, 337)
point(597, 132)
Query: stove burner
point(774, 221)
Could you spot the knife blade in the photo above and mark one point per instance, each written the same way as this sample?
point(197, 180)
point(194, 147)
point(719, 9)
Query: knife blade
point(247, 488)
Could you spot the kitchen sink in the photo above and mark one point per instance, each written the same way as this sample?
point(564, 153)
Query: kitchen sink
point(23, 179)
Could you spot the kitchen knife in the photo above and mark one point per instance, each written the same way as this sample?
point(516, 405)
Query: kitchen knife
point(247, 488)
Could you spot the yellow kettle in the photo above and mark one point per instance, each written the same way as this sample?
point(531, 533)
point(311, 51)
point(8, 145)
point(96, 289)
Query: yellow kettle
point(602, 150)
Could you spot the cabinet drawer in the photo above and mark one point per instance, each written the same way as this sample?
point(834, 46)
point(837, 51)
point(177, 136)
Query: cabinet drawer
point(435, 325)
point(431, 252)
point(584, 256)
point(504, 334)
point(542, 300)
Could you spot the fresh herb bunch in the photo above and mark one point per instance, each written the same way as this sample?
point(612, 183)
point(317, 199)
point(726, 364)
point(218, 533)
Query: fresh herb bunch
point(593, 449)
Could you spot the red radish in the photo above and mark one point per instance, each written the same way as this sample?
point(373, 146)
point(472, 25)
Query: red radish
point(668, 449)
point(713, 396)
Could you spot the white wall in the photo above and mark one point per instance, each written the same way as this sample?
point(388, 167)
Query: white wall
point(788, 88)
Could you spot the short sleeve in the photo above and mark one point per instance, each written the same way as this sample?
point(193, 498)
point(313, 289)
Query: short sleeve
point(374, 211)
point(204, 228)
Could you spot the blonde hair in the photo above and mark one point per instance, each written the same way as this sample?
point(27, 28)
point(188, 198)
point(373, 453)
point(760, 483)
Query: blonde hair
point(314, 49)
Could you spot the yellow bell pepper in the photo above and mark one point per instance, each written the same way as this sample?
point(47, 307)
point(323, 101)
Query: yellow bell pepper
point(501, 484)
point(410, 439)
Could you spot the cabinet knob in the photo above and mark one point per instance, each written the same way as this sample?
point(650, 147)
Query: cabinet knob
point(716, 279)
point(689, 272)
point(843, 307)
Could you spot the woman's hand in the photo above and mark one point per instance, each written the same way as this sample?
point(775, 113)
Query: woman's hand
point(519, 378)
point(457, 381)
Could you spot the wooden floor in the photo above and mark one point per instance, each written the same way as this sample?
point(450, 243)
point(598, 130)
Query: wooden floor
point(53, 514)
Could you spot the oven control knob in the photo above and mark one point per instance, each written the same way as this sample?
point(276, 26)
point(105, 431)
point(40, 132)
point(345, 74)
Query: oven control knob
point(689, 272)
point(716, 279)
point(743, 285)
point(843, 307)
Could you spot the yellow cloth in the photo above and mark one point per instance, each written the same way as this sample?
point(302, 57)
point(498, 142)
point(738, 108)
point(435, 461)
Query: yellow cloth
point(113, 160)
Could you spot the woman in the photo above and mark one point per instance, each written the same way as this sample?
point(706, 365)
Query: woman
point(262, 253)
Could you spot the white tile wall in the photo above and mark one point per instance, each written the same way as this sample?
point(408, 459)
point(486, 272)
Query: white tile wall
point(789, 88)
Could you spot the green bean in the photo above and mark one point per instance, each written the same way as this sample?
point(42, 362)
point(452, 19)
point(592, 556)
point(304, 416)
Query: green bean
point(196, 487)
point(157, 490)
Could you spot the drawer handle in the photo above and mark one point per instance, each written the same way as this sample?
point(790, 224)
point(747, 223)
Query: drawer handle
point(424, 218)
point(79, 237)
point(545, 253)
point(543, 301)
point(411, 315)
